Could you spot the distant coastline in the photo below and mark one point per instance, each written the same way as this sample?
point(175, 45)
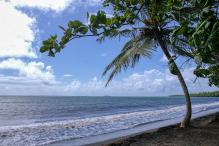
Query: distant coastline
point(203, 94)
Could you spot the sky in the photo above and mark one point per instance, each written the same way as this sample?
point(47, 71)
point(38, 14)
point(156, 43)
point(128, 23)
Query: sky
point(76, 71)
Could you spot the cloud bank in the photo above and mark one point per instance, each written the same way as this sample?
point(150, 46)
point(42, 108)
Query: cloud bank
point(149, 83)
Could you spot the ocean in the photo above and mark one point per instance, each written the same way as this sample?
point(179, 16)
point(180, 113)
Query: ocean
point(38, 120)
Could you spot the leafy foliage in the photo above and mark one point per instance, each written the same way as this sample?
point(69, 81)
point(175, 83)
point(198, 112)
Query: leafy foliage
point(188, 28)
point(198, 31)
point(136, 20)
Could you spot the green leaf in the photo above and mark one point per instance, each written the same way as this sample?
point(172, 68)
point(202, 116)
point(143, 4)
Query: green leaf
point(75, 24)
point(46, 42)
point(51, 53)
point(83, 30)
point(43, 49)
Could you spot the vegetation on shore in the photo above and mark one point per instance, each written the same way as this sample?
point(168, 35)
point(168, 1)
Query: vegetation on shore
point(206, 94)
point(203, 94)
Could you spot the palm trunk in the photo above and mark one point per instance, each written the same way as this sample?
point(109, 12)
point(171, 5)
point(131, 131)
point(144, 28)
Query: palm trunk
point(186, 121)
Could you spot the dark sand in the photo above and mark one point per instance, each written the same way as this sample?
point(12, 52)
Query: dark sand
point(203, 132)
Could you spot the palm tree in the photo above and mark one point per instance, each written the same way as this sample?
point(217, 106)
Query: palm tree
point(143, 46)
point(153, 35)
point(148, 23)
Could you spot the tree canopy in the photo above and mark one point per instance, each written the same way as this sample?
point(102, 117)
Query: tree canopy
point(198, 31)
point(190, 27)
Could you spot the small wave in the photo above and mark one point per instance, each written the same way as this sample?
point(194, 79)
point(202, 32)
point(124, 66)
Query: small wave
point(45, 133)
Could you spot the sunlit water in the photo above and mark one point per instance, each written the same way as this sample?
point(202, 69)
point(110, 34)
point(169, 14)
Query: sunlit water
point(26, 121)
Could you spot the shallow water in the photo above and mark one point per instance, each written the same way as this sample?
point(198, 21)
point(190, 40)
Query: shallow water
point(42, 120)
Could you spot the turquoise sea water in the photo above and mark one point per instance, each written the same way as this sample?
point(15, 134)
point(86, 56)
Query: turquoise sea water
point(42, 120)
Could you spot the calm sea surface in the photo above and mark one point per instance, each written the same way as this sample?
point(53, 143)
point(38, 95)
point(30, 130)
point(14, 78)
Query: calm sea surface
point(42, 120)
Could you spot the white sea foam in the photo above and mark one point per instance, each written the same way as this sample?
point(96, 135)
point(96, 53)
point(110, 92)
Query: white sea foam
point(44, 133)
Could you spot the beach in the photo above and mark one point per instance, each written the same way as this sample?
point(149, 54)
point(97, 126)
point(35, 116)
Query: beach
point(204, 131)
point(204, 127)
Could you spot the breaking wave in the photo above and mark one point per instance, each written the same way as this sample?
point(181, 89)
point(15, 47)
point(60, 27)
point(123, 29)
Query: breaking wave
point(49, 132)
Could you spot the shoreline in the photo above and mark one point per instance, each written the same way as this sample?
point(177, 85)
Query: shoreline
point(106, 139)
point(154, 133)
point(204, 131)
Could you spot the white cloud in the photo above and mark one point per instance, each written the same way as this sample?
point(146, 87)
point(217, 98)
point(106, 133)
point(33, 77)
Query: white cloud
point(87, 3)
point(17, 32)
point(32, 70)
point(150, 83)
point(57, 5)
point(67, 75)
point(74, 85)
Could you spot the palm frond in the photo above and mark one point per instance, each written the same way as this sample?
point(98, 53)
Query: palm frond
point(130, 54)
point(180, 47)
point(118, 33)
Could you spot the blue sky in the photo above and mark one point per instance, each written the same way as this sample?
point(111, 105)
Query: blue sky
point(77, 69)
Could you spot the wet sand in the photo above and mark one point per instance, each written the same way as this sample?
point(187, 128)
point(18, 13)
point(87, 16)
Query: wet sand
point(204, 131)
